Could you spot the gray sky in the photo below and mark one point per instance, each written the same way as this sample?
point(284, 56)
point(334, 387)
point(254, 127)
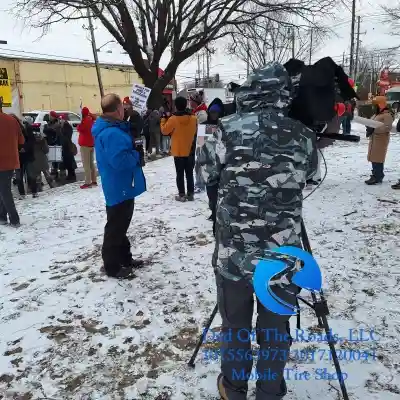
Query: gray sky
point(70, 40)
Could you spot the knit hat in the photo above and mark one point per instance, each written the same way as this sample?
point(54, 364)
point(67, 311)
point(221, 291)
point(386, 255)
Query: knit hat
point(380, 100)
point(53, 114)
point(197, 97)
point(215, 108)
point(127, 101)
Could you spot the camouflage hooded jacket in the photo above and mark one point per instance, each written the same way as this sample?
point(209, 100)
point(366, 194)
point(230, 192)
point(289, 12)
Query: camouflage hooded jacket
point(260, 158)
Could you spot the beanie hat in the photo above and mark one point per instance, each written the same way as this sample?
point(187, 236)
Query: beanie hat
point(53, 114)
point(127, 100)
point(215, 108)
point(197, 97)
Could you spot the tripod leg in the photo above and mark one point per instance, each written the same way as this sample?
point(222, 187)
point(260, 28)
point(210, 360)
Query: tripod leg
point(335, 359)
point(307, 247)
point(202, 336)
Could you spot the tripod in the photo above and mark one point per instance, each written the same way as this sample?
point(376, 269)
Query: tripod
point(320, 308)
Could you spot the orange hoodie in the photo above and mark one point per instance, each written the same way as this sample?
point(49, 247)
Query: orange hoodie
point(182, 129)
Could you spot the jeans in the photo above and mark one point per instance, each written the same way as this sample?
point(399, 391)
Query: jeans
point(184, 167)
point(235, 304)
point(346, 125)
point(7, 205)
point(165, 144)
point(377, 171)
point(116, 251)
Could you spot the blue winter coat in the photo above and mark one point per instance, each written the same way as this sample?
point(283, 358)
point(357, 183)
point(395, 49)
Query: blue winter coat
point(118, 162)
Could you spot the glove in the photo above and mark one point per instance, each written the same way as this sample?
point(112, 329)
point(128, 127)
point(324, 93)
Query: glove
point(370, 131)
point(138, 145)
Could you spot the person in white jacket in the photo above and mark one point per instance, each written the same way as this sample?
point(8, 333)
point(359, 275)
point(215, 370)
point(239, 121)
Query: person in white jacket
point(199, 108)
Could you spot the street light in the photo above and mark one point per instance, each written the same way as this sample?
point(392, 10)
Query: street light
point(110, 41)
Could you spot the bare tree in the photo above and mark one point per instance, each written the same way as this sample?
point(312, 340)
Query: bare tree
point(393, 16)
point(278, 40)
point(371, 63)
point(146, 29)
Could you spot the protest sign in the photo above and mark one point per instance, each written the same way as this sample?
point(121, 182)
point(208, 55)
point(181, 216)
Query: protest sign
point(139, 96)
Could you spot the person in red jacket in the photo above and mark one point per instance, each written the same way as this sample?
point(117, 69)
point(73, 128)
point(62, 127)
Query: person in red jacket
point(86, 143)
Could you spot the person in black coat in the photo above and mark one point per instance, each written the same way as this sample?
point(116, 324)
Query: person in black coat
point(69, 151)
point(215, 111)
point(26, 156)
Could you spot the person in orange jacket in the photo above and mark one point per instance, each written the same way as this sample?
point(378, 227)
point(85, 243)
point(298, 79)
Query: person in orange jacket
point(182, 127)
point(86, 143)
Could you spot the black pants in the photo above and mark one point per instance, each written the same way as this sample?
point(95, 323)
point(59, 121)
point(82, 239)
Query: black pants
point(7, 206)
point(20, 174)
point(116, 250)
point(212, 193)
point(272, 331)
point(184, 166)
point(377, 171)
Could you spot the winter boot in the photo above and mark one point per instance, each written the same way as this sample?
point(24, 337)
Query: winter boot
point(396, 186)
point(372, 181)
point(181, 198)
point(135, 264)
point(312, 182)
point(190, 197)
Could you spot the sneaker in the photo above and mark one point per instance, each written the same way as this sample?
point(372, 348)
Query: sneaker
point(86, 186)
point(3, 222)
point(125, 273)
point(35, 195)
point(136, 263)
point(190, 197)
point(312, 182)
point(16, 225)
point(180, 198)
point(94, 184)
point(372, 181)
point(396, 186)
point(221, 387)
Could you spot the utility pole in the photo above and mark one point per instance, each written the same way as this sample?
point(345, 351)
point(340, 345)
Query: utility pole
point(248, 58)
point(372, 73)
point(353, 23)
point(198, 67)
point(204, 70)
point(208, 54)
point(357, 48)
point(293, 43)
point(311, 44)
point(96, 59)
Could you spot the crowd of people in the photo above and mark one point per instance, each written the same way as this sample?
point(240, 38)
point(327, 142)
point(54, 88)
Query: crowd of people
point(240, 166)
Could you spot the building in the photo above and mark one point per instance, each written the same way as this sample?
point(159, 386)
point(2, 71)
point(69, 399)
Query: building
point(28, 84)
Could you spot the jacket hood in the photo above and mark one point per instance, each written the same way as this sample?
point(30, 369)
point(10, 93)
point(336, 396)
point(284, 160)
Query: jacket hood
point(183, 118)
point(268, 87)
point(219, 102)
point(103, 123)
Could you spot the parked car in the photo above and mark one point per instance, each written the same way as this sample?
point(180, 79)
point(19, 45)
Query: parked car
point(393, 98)
point(40, 118)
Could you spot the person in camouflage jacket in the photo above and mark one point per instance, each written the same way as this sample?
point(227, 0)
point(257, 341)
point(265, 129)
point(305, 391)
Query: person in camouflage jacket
point(261, 159)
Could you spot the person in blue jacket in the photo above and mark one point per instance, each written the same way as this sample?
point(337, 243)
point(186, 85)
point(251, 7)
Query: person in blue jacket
point(122, 179)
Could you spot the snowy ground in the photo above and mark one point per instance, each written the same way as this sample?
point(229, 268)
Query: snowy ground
point(68, 332)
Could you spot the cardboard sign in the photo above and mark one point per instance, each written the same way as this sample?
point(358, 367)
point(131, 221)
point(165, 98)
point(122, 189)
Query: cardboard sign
point(139, 96)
